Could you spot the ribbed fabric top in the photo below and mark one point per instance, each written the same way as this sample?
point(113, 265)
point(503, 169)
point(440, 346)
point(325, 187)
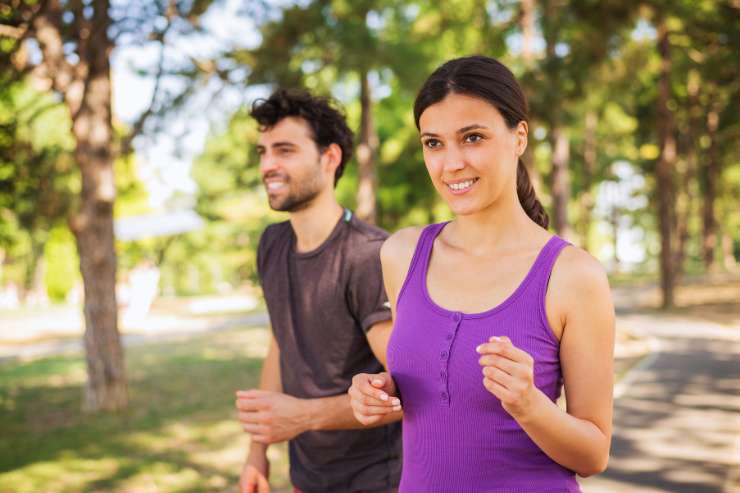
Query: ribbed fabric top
point(456, 434)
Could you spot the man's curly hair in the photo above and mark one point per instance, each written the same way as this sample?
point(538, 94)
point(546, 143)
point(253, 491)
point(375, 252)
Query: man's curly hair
point(327, 123)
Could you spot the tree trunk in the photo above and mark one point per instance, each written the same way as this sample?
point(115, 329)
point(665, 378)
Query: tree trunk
point(728, 253)
point(589, 171)
point(366, 152)
point(614, 221)
point(560, 180)
point(93, 224)
point(664, 170)
point(527, 26)
point(709, 240)
point(558, 138)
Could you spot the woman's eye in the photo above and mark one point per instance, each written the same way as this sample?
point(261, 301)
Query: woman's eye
point(473, 138)
point(432, 143)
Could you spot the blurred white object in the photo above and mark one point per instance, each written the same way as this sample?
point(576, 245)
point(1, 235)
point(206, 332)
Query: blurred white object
point(223, 304)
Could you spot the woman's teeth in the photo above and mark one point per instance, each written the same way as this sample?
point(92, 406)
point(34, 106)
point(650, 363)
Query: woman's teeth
point(463, 185)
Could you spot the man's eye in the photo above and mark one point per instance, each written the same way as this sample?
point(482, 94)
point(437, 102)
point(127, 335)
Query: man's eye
point(432, 143)
point(472, 138)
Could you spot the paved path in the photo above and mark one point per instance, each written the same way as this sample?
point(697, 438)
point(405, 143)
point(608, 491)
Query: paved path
point(158, 329)
point(677, 414)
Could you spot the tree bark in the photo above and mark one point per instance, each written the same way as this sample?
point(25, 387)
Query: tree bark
point(664, 170)
point(527, 26)
point(589, 171)
point(728, 253)
point(558, 138)
point(560, 180)
point(106, 387)
point(366, 155)
point(709, 240)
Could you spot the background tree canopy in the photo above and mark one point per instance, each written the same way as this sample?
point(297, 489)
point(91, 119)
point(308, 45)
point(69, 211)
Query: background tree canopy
point(633, 142)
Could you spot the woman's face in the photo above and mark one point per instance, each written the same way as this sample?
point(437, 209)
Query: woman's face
point(470, 153)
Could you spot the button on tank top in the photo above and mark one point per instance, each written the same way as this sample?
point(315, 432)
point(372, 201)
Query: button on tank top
point(457, 437)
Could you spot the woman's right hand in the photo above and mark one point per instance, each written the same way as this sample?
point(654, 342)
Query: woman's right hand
point(373, 396)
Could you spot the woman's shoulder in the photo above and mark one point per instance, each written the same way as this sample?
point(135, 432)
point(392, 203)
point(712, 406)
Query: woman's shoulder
point(577, 275)
point(398, 249)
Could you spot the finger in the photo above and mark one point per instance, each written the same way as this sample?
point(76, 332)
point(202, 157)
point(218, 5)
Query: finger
point(259, 438)
point(499, 376)
point(368, 420)
point(374, 410)
point(252, 393)
point(254, 429)
point(373, 400)
point(264, 486)
point(377, 380)
point(513, 368)
point(250, 404)
point(503, 394)
point(249, 418)
point(376, 386)
point(504, 347)
point(250, 484)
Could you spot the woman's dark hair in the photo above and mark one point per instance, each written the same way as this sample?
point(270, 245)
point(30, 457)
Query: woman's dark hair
point(327, 123)
point(490, 80)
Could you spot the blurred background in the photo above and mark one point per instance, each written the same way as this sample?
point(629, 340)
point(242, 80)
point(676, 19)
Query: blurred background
point(131, 207)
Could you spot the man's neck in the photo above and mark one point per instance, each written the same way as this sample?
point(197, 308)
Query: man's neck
point(313, 225)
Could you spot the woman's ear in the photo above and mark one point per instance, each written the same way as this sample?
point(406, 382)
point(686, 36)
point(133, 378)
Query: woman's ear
point(522, 134)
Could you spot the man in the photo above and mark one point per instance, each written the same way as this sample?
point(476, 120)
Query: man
point(321, 278)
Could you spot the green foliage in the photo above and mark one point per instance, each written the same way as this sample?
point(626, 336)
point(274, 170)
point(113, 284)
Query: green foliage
point(62, 264)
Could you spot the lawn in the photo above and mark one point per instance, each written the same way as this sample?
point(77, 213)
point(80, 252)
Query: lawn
point(179, 434)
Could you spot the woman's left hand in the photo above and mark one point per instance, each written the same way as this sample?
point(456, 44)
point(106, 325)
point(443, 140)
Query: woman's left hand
point(508, 373)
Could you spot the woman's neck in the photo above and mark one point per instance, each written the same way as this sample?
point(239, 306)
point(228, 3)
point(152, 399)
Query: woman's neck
point(501, 226)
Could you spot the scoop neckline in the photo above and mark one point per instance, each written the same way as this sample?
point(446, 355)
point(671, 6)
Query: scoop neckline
point(490, 311)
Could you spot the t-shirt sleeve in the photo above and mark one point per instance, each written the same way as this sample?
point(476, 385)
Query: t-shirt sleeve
point(261, 247)
point(367, 299)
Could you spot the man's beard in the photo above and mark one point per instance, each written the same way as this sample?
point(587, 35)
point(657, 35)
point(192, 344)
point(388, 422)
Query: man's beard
point(299, 196)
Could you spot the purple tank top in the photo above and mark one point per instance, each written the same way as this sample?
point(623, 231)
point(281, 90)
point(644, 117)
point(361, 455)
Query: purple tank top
point(456, 435)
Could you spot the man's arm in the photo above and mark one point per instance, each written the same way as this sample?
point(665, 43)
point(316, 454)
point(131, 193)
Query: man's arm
point(271, 416)
point(256, 470)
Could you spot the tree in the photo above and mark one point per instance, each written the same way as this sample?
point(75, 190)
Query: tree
point(75, 40)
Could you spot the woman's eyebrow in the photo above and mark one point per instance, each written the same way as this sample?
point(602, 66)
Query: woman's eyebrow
point(474, 126)
point(467, 128)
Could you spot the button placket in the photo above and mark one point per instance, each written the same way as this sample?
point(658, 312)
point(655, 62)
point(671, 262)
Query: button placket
point(444, 356)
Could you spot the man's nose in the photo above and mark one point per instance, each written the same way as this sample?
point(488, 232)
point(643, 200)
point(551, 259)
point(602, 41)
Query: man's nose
point(268, 163)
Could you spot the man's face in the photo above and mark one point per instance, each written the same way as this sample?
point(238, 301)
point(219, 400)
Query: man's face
point(291, 165)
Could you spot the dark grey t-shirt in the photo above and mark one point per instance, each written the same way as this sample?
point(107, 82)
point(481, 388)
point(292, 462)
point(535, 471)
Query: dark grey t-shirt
point(321, 303)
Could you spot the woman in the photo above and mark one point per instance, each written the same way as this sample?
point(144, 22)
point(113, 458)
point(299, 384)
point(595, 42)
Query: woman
point(492, 313)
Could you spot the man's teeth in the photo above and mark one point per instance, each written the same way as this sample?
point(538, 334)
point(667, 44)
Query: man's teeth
point(274, 185)
point(462, 185)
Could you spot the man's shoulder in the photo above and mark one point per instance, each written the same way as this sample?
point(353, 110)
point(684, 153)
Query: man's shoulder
point(364, 231)
point(364, 240)
point(275, 232)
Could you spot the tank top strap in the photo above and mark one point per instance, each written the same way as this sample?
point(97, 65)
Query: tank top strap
point(416, 274)
point(546, 261)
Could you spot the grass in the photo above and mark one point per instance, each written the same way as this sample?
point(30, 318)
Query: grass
point(179, 434)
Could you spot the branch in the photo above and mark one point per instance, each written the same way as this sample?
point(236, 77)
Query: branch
point(126, 145)
point(47, 25)
point(12, 31)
